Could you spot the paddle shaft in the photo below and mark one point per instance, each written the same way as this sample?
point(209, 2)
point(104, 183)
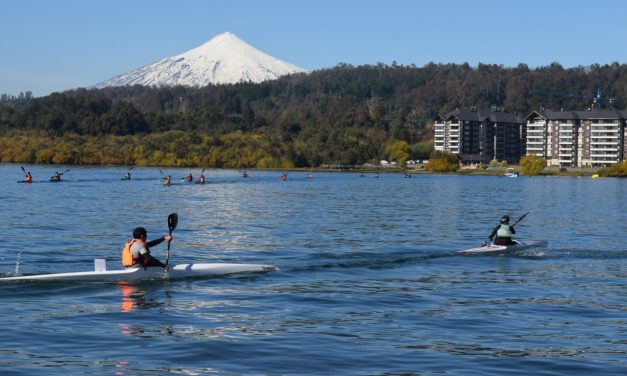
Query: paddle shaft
point(520, 219)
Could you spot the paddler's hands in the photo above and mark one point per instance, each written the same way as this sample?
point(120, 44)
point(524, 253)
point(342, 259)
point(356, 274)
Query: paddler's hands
point(167, 238)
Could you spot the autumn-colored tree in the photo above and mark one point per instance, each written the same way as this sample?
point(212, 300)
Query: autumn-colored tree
point(531, 165)
point(442, 161)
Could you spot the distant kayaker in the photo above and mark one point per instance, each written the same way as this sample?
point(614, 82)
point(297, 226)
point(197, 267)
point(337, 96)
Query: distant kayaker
point(167, 180)
point(56, 177)
point(189, 178)
point(244, 173)
point(136, 252)
point(28, 177)
point(503, 232)
point(201, 179)
point(127, 176)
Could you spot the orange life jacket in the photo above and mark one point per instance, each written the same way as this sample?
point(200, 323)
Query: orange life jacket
point(127, 256)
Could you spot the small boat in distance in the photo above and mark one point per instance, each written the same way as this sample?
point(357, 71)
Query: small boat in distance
point(511, 173)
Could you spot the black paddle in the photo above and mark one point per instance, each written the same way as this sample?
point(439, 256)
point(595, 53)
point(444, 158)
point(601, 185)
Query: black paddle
point(520, 219)
point(22, 167)
point(173, 220)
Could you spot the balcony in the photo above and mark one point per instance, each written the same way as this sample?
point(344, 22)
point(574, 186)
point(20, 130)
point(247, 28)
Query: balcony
point(597, 156)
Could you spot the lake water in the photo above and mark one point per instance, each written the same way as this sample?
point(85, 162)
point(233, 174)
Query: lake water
point(369, 283)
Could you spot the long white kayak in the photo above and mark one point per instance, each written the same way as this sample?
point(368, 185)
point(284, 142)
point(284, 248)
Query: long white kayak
point(520, 245)
point(136, 274)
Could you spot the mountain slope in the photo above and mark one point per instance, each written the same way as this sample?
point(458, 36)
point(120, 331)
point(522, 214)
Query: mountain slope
point(225, 59)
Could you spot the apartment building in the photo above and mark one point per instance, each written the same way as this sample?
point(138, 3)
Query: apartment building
point(577, 138)
point(479, 136)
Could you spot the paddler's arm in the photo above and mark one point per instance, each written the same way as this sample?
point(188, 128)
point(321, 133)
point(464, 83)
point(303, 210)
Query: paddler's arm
point(511, 228)
point(152, 243)
point(493, 234)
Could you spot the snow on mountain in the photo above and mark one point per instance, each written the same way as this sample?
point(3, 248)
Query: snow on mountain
point(225, 59)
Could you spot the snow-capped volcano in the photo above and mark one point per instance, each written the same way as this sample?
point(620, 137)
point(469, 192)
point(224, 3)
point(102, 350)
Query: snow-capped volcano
point(225, 59)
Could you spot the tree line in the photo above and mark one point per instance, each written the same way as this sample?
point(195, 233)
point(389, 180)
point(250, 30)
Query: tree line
point(342, 115)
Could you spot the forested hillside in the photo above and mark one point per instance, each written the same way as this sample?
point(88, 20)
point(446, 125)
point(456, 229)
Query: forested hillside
point(342, 115)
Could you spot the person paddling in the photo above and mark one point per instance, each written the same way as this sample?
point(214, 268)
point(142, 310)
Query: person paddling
point(56, 177)
point(167, 180)
point(136, 252)
point(201, 179)
point(503, 232)
point(189, 178)
point(28, 177)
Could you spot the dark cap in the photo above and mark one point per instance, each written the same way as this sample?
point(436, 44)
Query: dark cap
point(138, 232)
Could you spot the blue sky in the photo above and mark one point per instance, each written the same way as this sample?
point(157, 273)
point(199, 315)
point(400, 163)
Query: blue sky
point(54, 45)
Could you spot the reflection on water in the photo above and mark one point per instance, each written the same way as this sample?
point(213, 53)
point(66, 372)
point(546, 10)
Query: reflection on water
point(130, 296)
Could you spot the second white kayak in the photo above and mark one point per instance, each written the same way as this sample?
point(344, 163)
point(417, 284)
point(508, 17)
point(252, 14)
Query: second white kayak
point(520, 245)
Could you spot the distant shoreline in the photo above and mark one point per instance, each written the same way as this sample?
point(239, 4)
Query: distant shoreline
point(490, 171)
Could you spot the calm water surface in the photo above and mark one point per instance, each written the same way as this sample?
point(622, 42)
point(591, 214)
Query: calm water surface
point(369, 283)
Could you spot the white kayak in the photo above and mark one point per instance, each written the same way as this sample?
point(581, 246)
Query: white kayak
point(136, 274)
point(520, 245)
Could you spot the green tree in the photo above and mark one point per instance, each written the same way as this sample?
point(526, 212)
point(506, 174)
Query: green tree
point(616, 170)
point(398, 151)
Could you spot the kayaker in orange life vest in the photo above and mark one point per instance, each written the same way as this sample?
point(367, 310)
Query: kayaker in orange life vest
point(136, 252)
point(28, 177)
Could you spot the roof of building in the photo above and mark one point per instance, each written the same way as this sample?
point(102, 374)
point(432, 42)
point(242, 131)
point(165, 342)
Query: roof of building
point(600, 114)
point(578, 115)
point(561, 115)
point(464, 114)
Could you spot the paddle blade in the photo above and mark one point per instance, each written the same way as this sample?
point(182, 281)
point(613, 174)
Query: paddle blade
point(22, 167)
point(173, 220)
